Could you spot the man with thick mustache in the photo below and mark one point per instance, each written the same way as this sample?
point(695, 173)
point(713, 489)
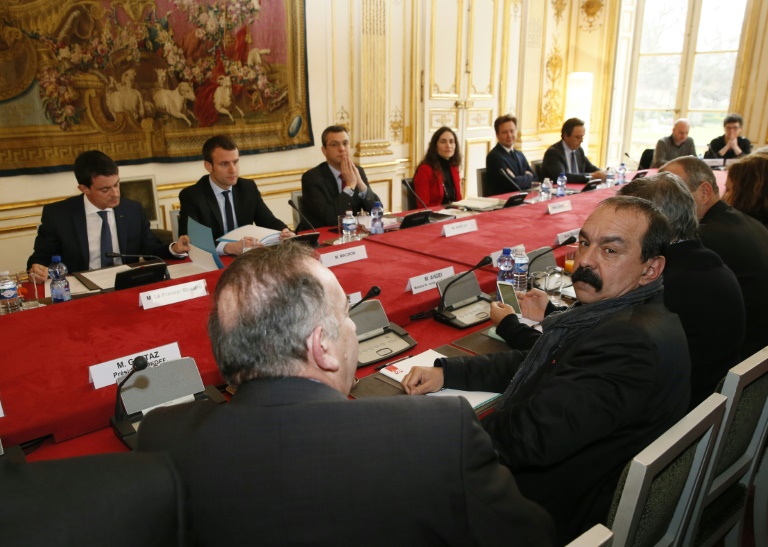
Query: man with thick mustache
point(605, 378)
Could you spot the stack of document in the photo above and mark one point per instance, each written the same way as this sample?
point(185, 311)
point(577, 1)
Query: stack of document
point(479, 204)
point(265, 236)
point(364, 221)
point(480, 400)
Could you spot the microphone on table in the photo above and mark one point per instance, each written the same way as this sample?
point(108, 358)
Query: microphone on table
point(568, 241)
point(372, 293)
point(310, 238)
point(412, 191)
point(510, 180)
point(486, 261)
point(305, 219)
point(139, 363)
point(112, 254)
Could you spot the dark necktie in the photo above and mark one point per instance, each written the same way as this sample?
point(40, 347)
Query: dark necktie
point(106, 240)
point(574, 166)
point(515, 164)
point(228, 211)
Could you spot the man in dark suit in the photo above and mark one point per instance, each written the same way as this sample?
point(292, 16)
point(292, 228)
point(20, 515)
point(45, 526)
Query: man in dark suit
point(504, 157)
point(81, 229)
point(223, 201)
point(567, 156)
point(606, 378)
point(335, 186)
point(740, 240)
point(291, 460)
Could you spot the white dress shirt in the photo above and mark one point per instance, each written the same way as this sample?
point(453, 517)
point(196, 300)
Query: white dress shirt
point(93, 226)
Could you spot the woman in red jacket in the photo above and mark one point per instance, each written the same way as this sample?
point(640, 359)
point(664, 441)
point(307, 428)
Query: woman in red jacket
point(437, 177)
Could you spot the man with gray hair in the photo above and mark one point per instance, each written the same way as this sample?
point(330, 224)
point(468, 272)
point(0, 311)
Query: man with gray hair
point(292, 461)
point(740, 240)
point(676, 145)
point(696, 282)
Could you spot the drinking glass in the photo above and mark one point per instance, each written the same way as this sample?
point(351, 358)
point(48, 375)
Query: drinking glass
point(554, 284)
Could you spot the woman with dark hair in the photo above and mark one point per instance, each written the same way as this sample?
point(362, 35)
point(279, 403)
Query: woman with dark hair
point(437, 177)
point(746, 187)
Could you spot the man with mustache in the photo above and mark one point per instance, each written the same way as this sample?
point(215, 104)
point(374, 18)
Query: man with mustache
point(605, 378)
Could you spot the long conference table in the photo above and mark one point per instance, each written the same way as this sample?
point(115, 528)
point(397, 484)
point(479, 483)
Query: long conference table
point(45, 391)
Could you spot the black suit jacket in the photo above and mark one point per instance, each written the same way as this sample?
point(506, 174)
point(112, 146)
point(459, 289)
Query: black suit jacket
point(603, 396)
point(554, 163)
point(742, 243)
point(293, 462)
point(321, 201)
point(63, 232)
point(498, 159)
point(199, 202)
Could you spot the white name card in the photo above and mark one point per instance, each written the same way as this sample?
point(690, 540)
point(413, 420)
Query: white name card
point(456, 228)
point(714, 162)
point(354, 298)
point(427, 281)
point(172, 295)
point(495, 256)
point(352, 254)
point(562, 236)
point(559, 207)
point(109, 372)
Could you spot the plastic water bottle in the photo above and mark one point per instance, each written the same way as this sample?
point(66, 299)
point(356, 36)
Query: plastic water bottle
point(546, 189)
point(57, 271)
point(377, 219)
point(561, 180)
point(9, 294)
point(622, 178)
point(506, 268)
point(610, 177)
point(520, 272)
point(349, 225)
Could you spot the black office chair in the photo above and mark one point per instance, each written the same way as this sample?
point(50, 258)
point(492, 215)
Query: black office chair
point(482, 184)
point(536, 164)
point(163, 236)
point(645, 159)
point(409, 198)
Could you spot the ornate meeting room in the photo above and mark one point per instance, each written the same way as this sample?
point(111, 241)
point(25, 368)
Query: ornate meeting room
point(273, 269)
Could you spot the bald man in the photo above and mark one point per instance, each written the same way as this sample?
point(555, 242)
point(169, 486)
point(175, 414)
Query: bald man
point(676, 145)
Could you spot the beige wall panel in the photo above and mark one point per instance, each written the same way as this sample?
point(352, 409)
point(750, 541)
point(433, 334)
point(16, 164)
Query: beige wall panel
point(445, 41)
point(481, 62)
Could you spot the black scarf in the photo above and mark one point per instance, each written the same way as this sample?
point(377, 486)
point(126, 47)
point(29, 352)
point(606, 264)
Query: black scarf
point(579, 317)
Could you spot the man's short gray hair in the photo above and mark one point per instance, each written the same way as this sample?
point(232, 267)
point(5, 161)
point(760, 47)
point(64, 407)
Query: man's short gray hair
point(696, 171)
point(670, 194)
point(266, 305)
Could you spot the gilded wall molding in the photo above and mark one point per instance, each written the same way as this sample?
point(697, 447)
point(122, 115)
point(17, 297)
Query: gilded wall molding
point(373, 75)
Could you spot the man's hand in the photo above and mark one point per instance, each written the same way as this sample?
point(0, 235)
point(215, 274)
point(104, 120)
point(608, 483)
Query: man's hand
point(598, 175)
point(38, 273)
point(286, 234)
point(181, 246)
point(351, 176)
point(235, 248)
point(533, 304)
point(499, 311)
point(422, 380)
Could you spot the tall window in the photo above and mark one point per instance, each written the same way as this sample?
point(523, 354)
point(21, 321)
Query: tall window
point(685, 65)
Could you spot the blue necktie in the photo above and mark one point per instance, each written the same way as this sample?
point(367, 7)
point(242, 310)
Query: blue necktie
point(228, 212)
point(574, 166)
point(106, 240)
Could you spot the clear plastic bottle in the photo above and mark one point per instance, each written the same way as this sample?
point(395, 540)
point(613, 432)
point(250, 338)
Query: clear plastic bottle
point(57, 271)
point(622, 176)
point(506, 268)
point(377, 219)
point(546, 189)
point(520, 273)
point(610, 177)
point(561, 181)
point(349, 225)
point(9, 294)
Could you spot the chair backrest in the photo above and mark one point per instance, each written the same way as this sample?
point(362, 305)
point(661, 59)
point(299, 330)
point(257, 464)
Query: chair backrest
point(174, 216)
point(536, 164)
point(597, 536)
point(741, 438)
point(296, 197)
point(482, 185)
point(118, 500)
point(646, 159)
point(409, 199)
point(163, 236)
point(656, 493)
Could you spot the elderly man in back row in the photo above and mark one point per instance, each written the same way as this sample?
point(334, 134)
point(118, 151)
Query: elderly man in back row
point(606, 377)
point(696, 282)
point(676, 145)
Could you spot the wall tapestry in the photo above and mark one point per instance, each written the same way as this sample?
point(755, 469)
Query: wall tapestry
point(149, 80)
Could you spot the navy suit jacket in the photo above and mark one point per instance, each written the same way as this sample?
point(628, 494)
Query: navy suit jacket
point(554, 163)
point(313, 467)
point(199, 202)
point(63, 232)
point(321, 201)
point(498, 159)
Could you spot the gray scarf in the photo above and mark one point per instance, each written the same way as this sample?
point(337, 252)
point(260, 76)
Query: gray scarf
point(559, 325)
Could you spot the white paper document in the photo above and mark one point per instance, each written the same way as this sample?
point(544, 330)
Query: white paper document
point(479, 204)
point(202, 261)
point(105, 277)
point(265, 235)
